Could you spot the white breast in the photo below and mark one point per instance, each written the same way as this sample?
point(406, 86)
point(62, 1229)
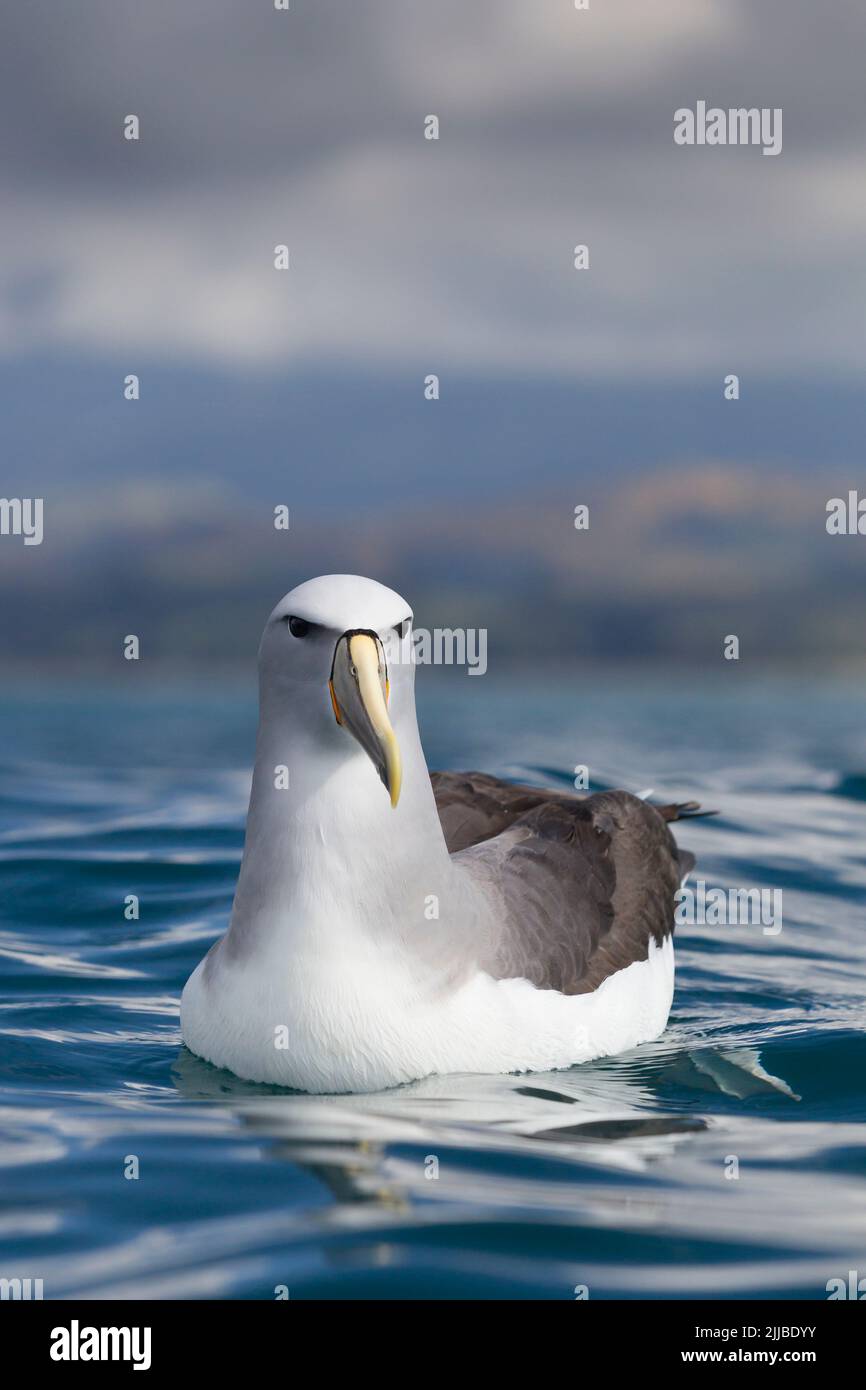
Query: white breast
point(366, 1023)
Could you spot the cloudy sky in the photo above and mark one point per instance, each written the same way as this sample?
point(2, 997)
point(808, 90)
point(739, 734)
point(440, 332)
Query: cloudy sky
point(410, 256)
point(306, 127)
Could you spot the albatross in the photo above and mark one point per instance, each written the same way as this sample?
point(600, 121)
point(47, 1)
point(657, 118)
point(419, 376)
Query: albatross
point(389, 924)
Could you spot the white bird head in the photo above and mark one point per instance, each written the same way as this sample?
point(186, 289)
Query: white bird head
point(336, 656)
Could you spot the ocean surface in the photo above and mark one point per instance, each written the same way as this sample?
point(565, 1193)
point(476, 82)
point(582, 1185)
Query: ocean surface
point(726, 1159)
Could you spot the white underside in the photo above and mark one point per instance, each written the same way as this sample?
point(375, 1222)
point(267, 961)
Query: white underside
point(361, 1026)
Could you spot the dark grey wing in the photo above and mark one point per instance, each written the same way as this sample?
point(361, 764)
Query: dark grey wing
point(585, 884)
point(474, 806)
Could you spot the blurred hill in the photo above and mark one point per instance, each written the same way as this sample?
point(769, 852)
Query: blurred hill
point(165, 529)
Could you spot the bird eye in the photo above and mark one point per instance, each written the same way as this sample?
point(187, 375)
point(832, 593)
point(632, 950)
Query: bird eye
point(299, 627)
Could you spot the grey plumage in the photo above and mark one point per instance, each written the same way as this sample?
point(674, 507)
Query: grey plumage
point(585, 884)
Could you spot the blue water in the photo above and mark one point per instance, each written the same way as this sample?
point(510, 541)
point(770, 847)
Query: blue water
point(611, 1175)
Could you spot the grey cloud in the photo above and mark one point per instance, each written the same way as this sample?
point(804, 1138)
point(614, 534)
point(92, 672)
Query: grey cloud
point(260, 127)
point(225, 87)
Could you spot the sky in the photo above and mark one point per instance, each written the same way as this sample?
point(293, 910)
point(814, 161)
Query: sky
point(306, 127)
point(411, 256)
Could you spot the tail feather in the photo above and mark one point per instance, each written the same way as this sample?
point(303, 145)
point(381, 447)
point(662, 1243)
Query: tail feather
point(683, 810)
point(686, 861)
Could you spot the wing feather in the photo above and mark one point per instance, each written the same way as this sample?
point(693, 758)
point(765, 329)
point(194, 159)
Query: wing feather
point(585, 884)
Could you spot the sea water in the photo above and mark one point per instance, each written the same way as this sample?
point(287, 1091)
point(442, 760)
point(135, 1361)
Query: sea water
point(726, 1159)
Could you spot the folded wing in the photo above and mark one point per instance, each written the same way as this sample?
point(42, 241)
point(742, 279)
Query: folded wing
point(585, 884)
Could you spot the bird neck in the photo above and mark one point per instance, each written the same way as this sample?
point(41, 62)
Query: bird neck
point(326, 857)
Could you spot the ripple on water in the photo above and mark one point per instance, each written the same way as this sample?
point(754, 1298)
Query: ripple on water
point(618, 1174)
